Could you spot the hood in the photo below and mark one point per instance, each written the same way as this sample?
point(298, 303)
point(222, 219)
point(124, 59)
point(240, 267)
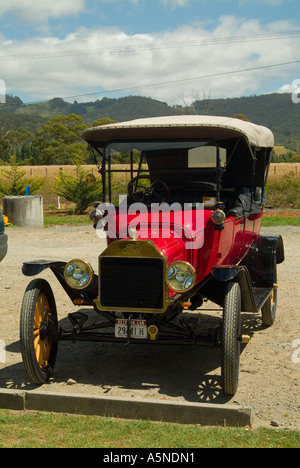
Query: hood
point(177, 235)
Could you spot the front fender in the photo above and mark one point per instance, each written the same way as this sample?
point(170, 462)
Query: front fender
point(36, 267)
point(82, 297)
point(238, 274)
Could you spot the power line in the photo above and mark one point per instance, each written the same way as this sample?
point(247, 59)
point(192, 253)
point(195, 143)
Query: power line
point(161, 83)
point(214, 75)
point(201, 42)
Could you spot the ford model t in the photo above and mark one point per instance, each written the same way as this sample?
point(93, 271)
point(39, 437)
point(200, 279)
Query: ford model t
point(186, 232)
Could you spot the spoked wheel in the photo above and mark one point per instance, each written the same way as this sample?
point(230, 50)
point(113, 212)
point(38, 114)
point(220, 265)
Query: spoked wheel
point(268, 311)
point(231, 339)
point(38, 331)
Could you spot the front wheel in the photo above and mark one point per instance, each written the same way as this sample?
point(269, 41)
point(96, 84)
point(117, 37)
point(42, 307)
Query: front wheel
point(38, 331)
point(231, 343)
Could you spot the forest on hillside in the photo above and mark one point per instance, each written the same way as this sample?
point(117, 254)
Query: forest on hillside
point(50, 132)
point(275, 111)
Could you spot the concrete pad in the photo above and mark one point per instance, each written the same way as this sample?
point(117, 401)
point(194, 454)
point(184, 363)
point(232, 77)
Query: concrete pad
point(146, 409)
point(12, 399)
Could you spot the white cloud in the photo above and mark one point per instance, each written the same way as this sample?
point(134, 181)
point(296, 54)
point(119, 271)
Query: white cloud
point(268, 2)
point(183, 3)
point(88, 61)
point(175, 3)
point(290, 87)
point(41, 10)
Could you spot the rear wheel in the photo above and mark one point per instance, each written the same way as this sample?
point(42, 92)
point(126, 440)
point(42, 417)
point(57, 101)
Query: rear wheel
point(268, 311)
point(230, 345)
point(38, 331)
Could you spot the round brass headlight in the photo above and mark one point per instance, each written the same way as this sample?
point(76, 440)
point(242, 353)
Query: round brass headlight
point(181, 276)
point(96, 215)
point(78, 274)
point(218, 217)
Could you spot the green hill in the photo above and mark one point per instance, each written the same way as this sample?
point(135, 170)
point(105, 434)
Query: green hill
point(126, 108)
point(276, 111)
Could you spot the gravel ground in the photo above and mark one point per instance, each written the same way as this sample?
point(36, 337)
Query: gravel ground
point(270, 362)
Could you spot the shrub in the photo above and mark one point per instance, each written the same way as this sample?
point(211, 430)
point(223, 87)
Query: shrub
point(78, 189)
point(284, 192)
point(15, 182)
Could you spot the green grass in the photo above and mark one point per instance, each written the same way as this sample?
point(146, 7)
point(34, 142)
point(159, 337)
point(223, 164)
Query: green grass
point(280, 221)
point(284, 192)
point(60, 219)
point(75, 220)
point(35, 430)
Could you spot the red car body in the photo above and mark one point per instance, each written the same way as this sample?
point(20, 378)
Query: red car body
point(227, 247)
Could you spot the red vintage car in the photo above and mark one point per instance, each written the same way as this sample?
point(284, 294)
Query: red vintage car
point(186, 231)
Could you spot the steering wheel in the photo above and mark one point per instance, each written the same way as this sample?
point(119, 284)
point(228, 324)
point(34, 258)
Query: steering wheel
point(147, 189)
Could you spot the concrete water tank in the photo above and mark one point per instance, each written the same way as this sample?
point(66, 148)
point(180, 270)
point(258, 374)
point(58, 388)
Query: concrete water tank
point(24, 211)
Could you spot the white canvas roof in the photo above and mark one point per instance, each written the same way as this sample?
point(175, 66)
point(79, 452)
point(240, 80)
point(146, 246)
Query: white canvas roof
point(181, 127)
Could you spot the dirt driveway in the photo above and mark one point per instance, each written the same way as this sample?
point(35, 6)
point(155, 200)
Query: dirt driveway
point(270, 365)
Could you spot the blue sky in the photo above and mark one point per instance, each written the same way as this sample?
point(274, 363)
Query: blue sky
point(172, 50)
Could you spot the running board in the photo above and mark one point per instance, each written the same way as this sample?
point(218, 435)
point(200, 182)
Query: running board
point(261, 295)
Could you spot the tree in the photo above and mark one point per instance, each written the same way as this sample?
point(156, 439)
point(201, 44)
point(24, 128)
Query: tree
point(295, 158)
point(58, 103)
point(79, 189)
point(16, 183)
point(60, 140)
point(13, 141)
point(240, 117)
point(103, 121)
point(204, 105)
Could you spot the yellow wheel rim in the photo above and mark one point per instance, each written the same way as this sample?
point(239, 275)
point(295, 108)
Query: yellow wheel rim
point(272, 299)
point(42, 346)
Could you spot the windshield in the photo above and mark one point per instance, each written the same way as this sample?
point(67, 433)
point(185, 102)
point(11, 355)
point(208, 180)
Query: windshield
point(192, 154)
point(178, 164)
point(172, 162)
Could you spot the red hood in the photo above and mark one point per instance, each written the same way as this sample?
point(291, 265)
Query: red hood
point(177, 235)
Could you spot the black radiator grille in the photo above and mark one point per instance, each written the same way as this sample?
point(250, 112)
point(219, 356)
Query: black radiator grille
point(134, 283)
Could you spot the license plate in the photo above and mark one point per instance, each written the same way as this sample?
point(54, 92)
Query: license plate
point(138, 329)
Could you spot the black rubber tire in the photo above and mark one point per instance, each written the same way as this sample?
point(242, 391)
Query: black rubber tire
point(268, 311)
point(231, 344)
point(30, 334)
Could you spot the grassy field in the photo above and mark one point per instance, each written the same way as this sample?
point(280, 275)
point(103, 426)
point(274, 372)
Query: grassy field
point(283, 178)
point(280, 221)
point(274, 220)
point(34, 430)
point(284, 192)
point(49, 172)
